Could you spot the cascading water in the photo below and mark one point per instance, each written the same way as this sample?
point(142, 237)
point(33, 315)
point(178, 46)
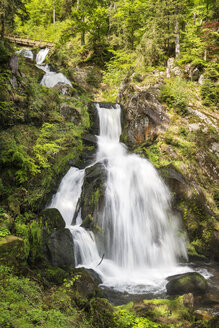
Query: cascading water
point(140, 239)
point(50, 79)
point(41, 56)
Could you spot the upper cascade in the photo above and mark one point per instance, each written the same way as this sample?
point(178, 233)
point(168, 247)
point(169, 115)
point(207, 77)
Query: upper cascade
point(41, 56)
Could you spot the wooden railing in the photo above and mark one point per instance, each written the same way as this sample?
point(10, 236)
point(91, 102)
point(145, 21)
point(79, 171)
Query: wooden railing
point(29, 42)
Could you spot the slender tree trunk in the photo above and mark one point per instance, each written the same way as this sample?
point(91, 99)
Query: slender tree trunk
point(54, 15)
point(2, 25)
point(177, 44)
point(82, 32)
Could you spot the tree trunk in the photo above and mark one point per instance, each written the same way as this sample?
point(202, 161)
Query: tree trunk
point(2, 25)
point(54, 15)
point(82, 34)
point(177, 44)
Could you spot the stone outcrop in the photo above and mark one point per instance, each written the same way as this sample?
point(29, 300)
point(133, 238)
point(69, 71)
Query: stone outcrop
point(144, 115)
point(61, 248)
point(92, 195)
point(70, 113)
point(191, 282)
point(12, 250)
point(51, 241)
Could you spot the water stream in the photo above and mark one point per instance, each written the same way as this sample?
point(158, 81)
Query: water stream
point(51, 78)
point(140, 242)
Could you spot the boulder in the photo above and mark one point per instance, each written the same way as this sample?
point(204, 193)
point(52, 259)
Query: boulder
point(87, 284)
point(195, 74)
point(52, 219)
point(70, 113)
point(12, 250)
point(144, 115)
point(92, 195)
point(61, 248)
point(191, 282)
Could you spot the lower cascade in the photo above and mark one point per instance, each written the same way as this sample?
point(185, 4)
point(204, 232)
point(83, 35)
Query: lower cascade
point(138, 244)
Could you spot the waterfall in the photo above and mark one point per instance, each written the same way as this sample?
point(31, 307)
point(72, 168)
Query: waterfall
point(140, 235)
point(41, 56)
point(50, 79)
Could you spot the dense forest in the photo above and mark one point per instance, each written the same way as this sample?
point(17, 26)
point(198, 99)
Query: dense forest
point(159, 61)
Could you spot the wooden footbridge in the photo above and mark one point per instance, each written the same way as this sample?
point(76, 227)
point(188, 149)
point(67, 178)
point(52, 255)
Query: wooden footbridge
point(23, 41)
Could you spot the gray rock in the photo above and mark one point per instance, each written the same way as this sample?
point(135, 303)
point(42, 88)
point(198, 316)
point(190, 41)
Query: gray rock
point(144, 116)
point(195, 74)
point(14, 64)
point(191, 282)
point(70, 113)
point(63, 88)
point(92, 195)
point(52, 219)
point(201, 79)
point(61, 248)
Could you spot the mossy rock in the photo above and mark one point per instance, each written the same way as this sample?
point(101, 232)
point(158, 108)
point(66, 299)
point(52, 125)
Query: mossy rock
point(191, 282)
point(12, 250)
point(56, 275)
point(92, 196)
point(102, 314)
point(87, 285)
point(60, 248)
point(52, 219)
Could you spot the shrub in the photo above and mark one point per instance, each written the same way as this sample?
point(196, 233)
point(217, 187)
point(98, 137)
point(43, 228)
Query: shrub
point(210, 87)
point(174, 93)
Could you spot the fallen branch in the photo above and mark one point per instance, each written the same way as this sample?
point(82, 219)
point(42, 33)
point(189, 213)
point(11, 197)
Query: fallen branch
point(100, 261)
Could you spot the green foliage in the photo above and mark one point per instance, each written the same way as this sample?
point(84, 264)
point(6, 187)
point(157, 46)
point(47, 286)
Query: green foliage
point(210, 87)
point(128, 319)
point(24, 305)
point(175, 93)
point(16, 154)
point(4, 232)
point(120, 65)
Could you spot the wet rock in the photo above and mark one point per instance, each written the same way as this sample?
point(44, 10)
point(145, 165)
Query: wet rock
point(52, 219)
point(92, 195)
point(94, 119)
point(12, 250)
point(89, 139)
point(191, 282)
point(87, 284)
point(70, 113)
point(61, 248)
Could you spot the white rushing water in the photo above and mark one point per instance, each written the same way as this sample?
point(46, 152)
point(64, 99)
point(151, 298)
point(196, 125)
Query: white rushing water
point(50, 79)
point(41, 56)
point(25, 53)
point(140, 241)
